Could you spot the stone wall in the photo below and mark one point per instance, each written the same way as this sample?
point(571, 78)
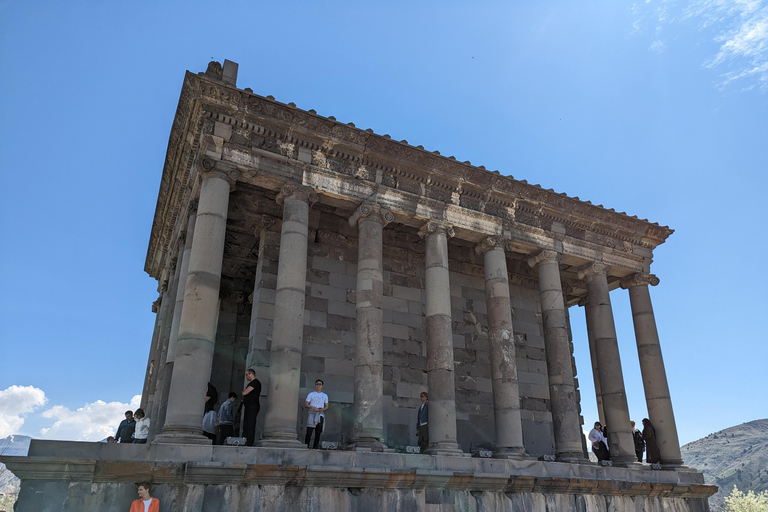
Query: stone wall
point(329, 335)
point(62, 496)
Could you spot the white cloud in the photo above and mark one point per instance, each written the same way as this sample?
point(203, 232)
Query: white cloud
point(15, 402)
point(92, 422)
point(738, 27)
point(657, 46)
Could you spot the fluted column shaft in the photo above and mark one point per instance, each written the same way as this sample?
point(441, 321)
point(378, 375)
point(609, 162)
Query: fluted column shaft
point(440, 370)
point(288, 329)
point(504, 381)
point(620, 440)
point(158, 421)
point(197, 327)
point(655, 384)
point(562, 392)
point(369, 353)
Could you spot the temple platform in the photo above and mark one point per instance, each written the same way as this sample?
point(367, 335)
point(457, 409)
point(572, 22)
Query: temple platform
point(68, 476)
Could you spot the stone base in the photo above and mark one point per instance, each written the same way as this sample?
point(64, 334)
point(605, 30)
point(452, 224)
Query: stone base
point(274, 479)
point(281, 443)
point(181, 439)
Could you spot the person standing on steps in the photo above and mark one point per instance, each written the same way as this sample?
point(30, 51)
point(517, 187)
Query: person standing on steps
point(251, 405)
point(422, 420)
point(317, 403)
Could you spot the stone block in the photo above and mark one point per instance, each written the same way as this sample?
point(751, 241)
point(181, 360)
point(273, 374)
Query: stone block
point(404, 390)
point(395, 331)
point(343, 367)
point(315, 275)
point(407, 293)
point(407, 319)
point(342, 308)
point(415, 307)
point(325, 350)
point(459, 341)
point(344, 280)
point(393, 304)
point(315, 318)
point(342, 323)
point(324, 291)
point(330, 265)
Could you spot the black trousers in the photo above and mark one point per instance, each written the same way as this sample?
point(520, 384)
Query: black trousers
point(224, 432)
point(318, 429)
point(249, 424)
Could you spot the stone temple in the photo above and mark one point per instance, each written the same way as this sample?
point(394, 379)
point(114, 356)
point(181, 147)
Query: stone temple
point(306, 248)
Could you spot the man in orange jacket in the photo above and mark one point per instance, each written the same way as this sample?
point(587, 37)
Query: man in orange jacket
point(145, 503)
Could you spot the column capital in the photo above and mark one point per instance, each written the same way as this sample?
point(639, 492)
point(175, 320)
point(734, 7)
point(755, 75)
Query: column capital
point(488, 243)
point(434, 226)
point(545, 255)
point(592, 269)
point(584, 301)
point(263, 222)
point(301, 192)
point(374, 211)
point(639, 279)
point(210, 168)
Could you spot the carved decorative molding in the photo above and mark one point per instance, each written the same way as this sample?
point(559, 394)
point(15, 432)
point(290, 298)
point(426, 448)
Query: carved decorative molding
point(488, 243)
point(301, 192)
point(593, 269)
point(434, 226)
point(639, 279)
point(373, 211)
point(156, 304)
point(210, 168)
point(584, 301)
point(545, 255)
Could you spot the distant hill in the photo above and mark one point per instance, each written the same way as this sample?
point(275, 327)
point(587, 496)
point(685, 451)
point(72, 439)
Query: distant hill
point(734, 456)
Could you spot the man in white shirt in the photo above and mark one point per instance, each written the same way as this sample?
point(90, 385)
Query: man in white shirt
point(317, 403)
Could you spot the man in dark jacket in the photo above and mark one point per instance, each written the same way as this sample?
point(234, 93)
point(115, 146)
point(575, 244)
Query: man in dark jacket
point(125, 430)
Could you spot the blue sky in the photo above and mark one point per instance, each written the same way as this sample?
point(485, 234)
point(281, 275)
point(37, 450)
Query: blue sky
point(658, 109)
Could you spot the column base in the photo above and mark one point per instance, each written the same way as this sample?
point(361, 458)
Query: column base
point(512, 454)
point(446, 450)
point(572, 458)
point(181, 438)
point(368, 445)
point(278, 442)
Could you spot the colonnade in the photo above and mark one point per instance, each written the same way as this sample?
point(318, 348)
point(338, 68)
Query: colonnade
point(192, 329)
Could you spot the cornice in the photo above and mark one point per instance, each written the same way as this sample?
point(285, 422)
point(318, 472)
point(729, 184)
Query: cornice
point(380, 152)
point(395, 164)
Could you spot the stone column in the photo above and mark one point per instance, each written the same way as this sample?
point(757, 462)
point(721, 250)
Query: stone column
point(504, 381)
point(588, 313)
point(440, 371)
point(193, 352)
point(160, 374)
point(156, 306)
point(161, 343)
point(562, 392)
point(288, 330)
point(256, 342)
point(158, 421)
point(655, 384)
point(368, 424)
point(620, 440)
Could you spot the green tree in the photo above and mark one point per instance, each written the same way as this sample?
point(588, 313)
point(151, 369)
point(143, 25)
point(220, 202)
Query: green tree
point(737, 501)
